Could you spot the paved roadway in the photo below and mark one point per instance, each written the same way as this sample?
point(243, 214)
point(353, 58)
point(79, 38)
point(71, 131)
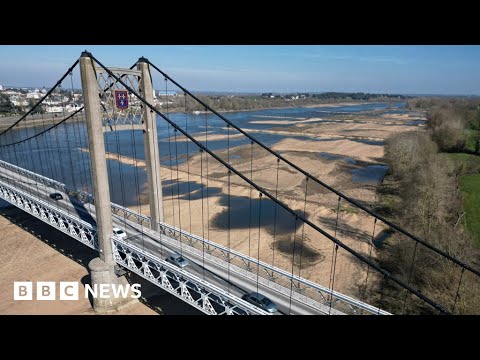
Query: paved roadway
point(162, 246)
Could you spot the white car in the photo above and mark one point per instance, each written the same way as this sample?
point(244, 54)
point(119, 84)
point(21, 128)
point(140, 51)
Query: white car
point(120, 233)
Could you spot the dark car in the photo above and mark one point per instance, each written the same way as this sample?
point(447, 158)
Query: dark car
point(261, 301)
point(56, 196)
point(178, 260)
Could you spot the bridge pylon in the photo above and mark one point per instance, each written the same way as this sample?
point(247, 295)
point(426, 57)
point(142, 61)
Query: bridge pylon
point(152, 156)
point(102, 269)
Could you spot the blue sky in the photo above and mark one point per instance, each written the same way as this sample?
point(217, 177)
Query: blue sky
point(389, 69)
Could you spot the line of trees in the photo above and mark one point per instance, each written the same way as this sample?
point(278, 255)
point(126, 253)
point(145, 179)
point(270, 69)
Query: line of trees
point(6, 106)
point(430, 205)
point(448, 118)
point(358, 96)
point(429, 202)
point(264, 101)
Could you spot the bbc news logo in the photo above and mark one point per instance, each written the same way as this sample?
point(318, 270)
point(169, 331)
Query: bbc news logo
point(69, 290)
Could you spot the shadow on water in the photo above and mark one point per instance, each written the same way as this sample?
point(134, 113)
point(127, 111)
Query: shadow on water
point(416, 122)
point(243, 212)
point(211, 191)
point(395, 112)
point(188, 190)
point(370, 175)
point(182, 187)
point(369, 142)
point(381, 237)
point(329, 156)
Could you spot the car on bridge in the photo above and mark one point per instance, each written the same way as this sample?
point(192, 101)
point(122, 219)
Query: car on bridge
point(56, 196)
point(260, 301)
point(120, 233)
point(177, 260)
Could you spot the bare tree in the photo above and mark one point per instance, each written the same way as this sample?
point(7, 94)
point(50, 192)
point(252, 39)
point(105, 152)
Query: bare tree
point(404, 151)
point(448, 128)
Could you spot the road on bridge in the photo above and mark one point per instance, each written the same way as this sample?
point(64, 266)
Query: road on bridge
point(162, 246)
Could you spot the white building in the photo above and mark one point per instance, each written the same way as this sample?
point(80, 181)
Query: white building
point(161, 103)
point(33, 95)
point(53, 109)
point(168, 93)
point(19, 102)
point(71, 108)
point(11, 92)
point(1, 87)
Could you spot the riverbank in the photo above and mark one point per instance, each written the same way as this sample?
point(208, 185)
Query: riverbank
point(293, 105)
point(351, 103)
point(46, 120)
point(42, 122)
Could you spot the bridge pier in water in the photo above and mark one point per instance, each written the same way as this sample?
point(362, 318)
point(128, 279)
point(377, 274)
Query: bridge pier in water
point(102, 269)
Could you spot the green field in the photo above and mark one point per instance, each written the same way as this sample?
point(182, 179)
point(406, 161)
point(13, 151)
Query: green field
point(470, 139)
point(470, 163)
point(470, 185)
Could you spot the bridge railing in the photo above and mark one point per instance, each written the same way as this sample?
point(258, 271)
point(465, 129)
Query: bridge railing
point(202, 295)
point(62, 220)
point(302, 289)
point(320, 298)
point(206, 297)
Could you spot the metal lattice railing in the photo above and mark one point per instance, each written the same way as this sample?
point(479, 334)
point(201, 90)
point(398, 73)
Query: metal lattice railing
point(58, 218)
point(202, 295)
point(205, 297)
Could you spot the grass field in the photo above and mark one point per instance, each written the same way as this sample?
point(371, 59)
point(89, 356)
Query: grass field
point(470, 185)
point(470, 140)
point(471, 163)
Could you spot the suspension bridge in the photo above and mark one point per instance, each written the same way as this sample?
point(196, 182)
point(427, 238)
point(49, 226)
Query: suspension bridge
point(174, 183)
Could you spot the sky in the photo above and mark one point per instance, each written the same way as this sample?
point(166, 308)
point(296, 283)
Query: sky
point(445, 70)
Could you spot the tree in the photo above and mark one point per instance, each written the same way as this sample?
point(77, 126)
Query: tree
point(404, 151)
point(38, 110)
point(475, 125)
point(430, 197)
point(430, 206)
point(447, 128)
point(6, 106)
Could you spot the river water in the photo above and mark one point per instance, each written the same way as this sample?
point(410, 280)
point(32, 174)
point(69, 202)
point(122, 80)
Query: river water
point(57, 153)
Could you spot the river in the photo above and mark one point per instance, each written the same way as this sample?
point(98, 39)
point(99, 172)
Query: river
point(57, 153)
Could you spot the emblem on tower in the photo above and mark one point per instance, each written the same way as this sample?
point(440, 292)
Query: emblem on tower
point(121, 99)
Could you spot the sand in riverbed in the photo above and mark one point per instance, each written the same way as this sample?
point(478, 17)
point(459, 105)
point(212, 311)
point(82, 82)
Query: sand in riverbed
point(313, 256)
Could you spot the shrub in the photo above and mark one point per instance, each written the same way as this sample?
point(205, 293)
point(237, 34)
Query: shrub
point(404, 151)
